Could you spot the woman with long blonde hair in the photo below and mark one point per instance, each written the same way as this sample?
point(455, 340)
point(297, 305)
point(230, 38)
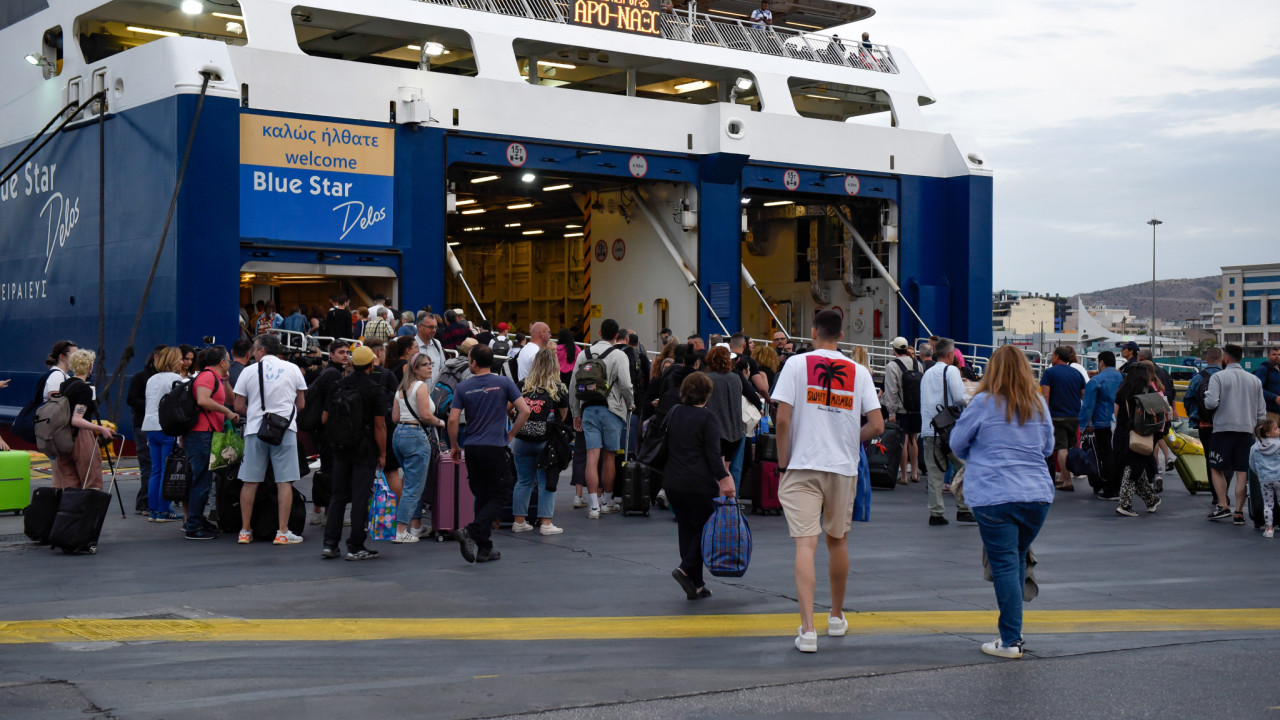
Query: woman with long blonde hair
point(1004, 436)
point(547, 398)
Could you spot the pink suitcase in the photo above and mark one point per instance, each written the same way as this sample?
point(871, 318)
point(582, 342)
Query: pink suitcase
point(455, 505)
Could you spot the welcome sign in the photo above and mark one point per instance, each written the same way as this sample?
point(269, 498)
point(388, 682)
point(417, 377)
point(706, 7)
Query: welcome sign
point(314, 181)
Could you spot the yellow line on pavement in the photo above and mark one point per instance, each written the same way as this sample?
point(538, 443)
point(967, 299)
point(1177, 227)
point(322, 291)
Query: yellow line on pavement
point(1047, 622)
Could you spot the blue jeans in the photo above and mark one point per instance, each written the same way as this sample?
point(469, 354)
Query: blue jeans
point(527, 472)
point(414, 453)
point(198, 445)
point(160, 446)
point(735, 465)
point(1007, 531)
point(602, 428)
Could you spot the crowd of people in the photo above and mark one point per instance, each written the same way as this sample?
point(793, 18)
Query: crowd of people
point(402, 391)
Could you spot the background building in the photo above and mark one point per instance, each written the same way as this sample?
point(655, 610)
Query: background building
point(1251, 306)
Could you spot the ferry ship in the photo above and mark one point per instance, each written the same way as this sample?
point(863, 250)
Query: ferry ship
point(667, 165)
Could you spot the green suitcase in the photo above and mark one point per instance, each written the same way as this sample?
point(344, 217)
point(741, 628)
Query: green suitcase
point(15, 481)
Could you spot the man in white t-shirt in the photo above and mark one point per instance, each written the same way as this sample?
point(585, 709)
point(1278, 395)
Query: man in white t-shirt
point(285, 391)
point(539, 336)
point(822, 399)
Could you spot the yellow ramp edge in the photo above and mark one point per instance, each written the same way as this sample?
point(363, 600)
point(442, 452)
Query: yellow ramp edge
point(1046, 622)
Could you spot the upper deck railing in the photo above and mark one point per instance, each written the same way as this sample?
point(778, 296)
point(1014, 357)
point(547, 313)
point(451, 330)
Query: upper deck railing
point(704, 29)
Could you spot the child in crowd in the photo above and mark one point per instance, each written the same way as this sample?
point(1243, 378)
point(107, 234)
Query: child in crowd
point(1264, 461)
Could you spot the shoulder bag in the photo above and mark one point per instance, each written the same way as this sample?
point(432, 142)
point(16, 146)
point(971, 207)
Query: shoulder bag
point(273, 427)
point(942, 423)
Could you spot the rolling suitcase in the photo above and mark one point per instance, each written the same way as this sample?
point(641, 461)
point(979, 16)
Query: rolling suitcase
point(15, 480)
point(764, 489)
point(633, 483)
point(884, 455)
point(455, 506)
point(226, 498)
point(78, 523)
point(1194, 472)
point(37, 518)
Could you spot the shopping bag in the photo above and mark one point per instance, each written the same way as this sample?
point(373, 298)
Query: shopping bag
point(862, 498)
point(175, 484)
point(227, 448)
point(726, 540)
point(382, 510)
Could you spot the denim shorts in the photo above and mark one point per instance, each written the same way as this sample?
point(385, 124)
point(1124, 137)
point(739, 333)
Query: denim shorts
point(283, 458)
point(602, 428)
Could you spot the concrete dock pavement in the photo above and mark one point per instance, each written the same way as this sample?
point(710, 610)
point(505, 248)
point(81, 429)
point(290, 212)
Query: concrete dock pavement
point(589, 624)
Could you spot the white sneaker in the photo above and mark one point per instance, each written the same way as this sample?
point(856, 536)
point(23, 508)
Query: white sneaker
point(579, 501)
point(404, 536)
point(1269, 533)
point(317, 518)
point(806, 641)
point(550, 529)
point(286, 538)
point(997, 648)
point(420, 532)
point(837, 626)
point(521, 527)
point(593, 514)
point(610, 508)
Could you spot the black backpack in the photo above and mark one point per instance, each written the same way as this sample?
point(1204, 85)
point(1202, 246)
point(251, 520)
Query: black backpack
point(910, 386)
point(1196, 402)
point(311, 419)
point(591, 380)
point(349, 420)
point(179, 412)
point(501, 346)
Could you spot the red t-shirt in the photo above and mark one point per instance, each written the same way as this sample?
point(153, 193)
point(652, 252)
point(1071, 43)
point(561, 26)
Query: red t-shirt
point(211, 421)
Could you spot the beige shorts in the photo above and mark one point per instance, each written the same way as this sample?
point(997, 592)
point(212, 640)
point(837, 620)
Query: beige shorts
point(816, 501)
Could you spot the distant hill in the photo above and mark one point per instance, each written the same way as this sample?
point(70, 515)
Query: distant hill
point(1176, 300)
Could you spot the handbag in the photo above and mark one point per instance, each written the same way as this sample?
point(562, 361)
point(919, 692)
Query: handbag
point(653, 448)
point(273, 427)
point(750, 417)
point(175, 486)
point(227, 447)
point(382, 510)
point(1141, 444)
point(726, 540)
point(1083, 458)
point(862, 495)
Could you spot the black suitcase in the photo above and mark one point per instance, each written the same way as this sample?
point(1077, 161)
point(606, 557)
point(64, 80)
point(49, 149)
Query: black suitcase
point(78, 523)
point(767, 448)
point(37, 518)
point(884, 455)
point(226, 498)
point(633, 488)
point(264, 521)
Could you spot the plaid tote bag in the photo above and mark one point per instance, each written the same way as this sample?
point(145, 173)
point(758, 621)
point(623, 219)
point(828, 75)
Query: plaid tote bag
point(726, 540)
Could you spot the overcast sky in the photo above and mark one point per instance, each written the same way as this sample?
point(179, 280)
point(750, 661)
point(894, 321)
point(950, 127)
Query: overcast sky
point(1096, 116)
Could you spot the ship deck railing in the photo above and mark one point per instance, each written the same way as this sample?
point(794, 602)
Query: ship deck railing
point(704, 29)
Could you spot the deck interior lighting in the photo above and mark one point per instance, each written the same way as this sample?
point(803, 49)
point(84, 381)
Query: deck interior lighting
point(192, 7)
point(692, 86)
point(743, 83)
point(746, 201)
point(520, 206)
point(511, 225)
point(468, 201)
point(552, 64)
point(227, 16)
point(151, 31)
point(573, 234)
point(571, 226)
point(531, 232)
point(476, 211)
point(433, 49)
point(454, 244)
point(780, 202)
point(562, 186)
point(486, 178)
point(528, 177)
point(820, 97)
point(473, 228)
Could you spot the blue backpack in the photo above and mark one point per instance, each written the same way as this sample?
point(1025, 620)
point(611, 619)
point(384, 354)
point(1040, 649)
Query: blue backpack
point(726, 540)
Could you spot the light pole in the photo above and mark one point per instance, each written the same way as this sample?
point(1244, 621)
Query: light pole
point(1153, 223)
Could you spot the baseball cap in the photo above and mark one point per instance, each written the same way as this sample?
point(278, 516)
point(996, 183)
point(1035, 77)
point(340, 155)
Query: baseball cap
point(361, 356)
point(502, 327)
point(1131, 346)
point(459, 312)
point(900, 343)
point(465, 347)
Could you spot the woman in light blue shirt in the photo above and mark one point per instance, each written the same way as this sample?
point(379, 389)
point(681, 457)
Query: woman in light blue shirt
point(1004, 436)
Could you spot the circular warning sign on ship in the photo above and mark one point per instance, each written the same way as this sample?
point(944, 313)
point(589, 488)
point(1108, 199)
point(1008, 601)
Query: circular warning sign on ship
point(619, 249)
point(638, 166)
point(602, 251)
point(851, 184)
point(791, 179)
point(517, 155)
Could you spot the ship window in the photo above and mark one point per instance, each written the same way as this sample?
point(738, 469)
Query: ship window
point(383, 41)
point(613, 73)
point(840, 102)
point(123, 24)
